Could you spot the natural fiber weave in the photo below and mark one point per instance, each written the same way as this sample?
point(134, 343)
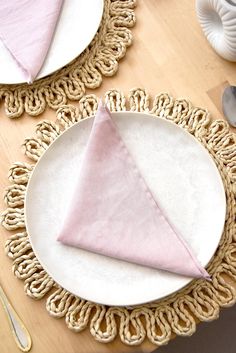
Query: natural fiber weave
point(99, 59)
point(158, 320)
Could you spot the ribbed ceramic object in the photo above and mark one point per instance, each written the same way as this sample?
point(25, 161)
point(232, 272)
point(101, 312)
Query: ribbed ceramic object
point(218, 21)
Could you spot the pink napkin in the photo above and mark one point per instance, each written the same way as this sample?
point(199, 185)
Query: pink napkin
point(26, 30)
point(113, 212)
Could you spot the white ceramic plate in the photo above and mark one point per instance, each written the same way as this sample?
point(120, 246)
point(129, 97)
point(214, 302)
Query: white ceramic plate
point(76, 27)
point(182, 177)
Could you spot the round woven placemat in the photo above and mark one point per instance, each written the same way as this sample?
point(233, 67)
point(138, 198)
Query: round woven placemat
point(157, 321)
point(99, 59)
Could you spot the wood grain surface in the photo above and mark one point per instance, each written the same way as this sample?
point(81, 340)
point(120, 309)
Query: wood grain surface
point(169, 54)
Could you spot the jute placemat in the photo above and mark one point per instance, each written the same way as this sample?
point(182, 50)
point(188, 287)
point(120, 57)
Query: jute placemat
point(99, 59)
point(157, 320)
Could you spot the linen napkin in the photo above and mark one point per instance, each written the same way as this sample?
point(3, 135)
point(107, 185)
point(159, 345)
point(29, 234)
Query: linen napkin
point(26, 30)
point(113, 211)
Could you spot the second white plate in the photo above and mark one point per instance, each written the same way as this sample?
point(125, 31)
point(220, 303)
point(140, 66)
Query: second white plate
point(78, 23)
point(182, 177)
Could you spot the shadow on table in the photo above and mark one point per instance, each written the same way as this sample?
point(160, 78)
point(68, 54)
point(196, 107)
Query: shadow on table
point(218, 336)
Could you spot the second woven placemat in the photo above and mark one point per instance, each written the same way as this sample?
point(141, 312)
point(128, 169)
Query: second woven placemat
point(157, 320)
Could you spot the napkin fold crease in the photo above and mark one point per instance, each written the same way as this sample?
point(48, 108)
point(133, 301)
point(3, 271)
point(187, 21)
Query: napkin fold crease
point(113, 211)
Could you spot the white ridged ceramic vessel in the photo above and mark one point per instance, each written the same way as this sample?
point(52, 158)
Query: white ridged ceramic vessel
point(218, 21)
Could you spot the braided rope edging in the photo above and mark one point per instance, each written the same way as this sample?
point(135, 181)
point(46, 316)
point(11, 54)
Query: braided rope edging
point(157, 320)
point(99, 59)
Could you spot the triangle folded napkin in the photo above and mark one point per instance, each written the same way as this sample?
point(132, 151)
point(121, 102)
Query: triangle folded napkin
point(113, 212)
point(26, 30)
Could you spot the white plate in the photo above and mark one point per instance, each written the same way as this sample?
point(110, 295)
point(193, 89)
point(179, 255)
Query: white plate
point(76, 27)
point(182, 177)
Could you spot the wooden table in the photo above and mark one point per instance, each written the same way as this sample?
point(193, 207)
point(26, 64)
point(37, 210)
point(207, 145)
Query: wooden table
point(169, 54)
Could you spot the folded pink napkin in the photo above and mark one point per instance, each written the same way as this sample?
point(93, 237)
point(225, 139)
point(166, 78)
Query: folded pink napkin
point(113, 212)
point(26, 30)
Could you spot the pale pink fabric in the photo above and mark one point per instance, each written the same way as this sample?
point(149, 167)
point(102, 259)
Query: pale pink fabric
point(26, 30)
point(113, 212)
